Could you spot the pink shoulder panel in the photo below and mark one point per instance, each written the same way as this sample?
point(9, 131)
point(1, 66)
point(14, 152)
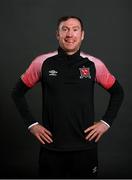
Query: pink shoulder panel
point(103, 76)
point(33, 73)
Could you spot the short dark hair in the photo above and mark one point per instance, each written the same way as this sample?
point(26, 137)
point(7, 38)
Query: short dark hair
point(65, 18)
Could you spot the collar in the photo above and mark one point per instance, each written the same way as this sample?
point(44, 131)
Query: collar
point(63, 54)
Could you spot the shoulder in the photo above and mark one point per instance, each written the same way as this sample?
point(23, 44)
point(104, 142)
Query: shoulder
point(33, 73)
point(98, 62)
point(41, 58)
point(103, 75)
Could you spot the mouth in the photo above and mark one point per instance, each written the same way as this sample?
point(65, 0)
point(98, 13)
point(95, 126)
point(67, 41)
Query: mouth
point(69, 41)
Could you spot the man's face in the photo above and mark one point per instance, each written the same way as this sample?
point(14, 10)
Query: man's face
point(70, 35)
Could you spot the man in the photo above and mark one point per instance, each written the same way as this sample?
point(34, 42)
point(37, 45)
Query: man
point(69, 134)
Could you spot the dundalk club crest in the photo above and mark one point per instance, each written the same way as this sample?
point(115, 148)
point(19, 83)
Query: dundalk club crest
point(84, 72)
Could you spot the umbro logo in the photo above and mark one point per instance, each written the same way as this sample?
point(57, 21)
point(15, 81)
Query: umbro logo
point(53, 73)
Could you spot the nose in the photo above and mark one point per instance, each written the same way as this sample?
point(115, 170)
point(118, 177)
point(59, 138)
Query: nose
point(69, 33)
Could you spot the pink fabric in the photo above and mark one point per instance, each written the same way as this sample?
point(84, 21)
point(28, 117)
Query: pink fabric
point(103, 76)
point(33, 73)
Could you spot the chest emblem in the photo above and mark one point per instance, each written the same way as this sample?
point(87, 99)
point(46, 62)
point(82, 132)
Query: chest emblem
point(84, 72)
point(53, 73)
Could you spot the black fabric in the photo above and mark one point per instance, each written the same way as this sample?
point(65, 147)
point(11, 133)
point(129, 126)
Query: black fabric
point(75, 164)
point(18, 95)
point(73, 57)
point(68, 101)
point(68, 107)
point(116, 98)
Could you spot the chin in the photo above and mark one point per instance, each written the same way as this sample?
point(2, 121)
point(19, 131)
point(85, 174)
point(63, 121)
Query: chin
point(70, 49)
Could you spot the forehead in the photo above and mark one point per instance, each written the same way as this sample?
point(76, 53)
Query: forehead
point(70, 23)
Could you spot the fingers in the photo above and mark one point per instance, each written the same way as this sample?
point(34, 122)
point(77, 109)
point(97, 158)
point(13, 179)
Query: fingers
point(95, 131)
point(40, 139)
point(98, 137)
point(90, 128)
point(46, 137)
point(43, 138)
point(93, 135)
point(42, 134)
point(48, 132)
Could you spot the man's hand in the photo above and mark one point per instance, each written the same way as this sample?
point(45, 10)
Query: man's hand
point(41, 133)
point(96, 131)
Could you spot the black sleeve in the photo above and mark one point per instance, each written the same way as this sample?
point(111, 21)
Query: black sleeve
point(18, 96)
point(116, 98)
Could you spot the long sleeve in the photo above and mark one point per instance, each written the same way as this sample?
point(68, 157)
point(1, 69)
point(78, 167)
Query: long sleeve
point(115, 101)
point(18, 95)
point(28, 79)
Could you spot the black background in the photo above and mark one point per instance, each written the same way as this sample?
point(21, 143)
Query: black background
point(28, 30)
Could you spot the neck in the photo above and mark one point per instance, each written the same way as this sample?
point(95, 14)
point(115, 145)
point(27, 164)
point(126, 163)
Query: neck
point(70, 52)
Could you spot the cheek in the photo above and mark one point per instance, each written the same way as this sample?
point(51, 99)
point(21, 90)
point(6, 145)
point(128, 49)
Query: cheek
point(78, 36)
point(61, 37)
point(62, 34)
point(78, 39)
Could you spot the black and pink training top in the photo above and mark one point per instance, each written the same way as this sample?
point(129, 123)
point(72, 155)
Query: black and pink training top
point(68, 95)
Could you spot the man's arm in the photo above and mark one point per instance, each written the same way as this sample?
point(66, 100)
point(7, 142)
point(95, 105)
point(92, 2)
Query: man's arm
point(99, 128)
point(109, 83)
point(28, 79)
point(18, 95)
point(116, 97)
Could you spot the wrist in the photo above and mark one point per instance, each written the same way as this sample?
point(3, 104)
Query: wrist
point(29, 127)
point(105, 123)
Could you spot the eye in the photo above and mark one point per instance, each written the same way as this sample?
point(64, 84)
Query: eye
point(76, 29)
point(64, 29)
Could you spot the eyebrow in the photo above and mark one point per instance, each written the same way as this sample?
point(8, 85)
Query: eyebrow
point(64, 26)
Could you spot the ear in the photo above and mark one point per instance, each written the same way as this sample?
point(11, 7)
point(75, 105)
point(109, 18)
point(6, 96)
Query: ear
point(57, 34)
point(82, 35)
